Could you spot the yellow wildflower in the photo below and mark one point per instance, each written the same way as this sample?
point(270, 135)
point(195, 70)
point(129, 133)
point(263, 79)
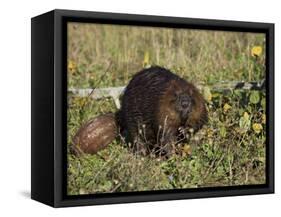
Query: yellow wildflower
point(257, 128)
point(256, 51)
point(71, 66)
point(226, 107)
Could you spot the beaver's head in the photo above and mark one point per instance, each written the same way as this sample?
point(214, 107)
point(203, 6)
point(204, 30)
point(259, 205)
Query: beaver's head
point(183, 103)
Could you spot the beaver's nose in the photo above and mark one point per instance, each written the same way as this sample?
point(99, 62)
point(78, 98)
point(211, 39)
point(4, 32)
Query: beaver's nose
point(184, 104)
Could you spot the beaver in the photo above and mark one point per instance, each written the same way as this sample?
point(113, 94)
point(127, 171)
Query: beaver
point(158, 108)
point(95, 135)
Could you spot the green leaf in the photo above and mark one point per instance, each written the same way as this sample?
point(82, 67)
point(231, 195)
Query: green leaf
point(255, 97)
point(207, 94)
point(244, 123)
point(223, 131)
point(263, 103)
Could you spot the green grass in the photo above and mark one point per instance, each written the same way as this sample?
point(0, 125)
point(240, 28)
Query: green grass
point(229, 150)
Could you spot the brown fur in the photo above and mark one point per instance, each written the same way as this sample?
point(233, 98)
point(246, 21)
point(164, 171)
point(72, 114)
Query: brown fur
point(198, 115)
point(151, 113)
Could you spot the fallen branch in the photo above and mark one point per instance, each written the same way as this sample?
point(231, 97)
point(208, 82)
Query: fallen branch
point(115, 92)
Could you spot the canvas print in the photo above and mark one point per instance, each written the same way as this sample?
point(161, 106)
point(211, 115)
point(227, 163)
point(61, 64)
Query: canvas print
point(157, 108)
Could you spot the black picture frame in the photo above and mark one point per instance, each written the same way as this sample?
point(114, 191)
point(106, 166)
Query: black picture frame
point(49, 104)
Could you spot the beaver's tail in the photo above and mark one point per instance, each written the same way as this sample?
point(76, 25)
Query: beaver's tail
point(96, 134)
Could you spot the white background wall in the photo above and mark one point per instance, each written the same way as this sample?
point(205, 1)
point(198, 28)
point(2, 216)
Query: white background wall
point(15, 106)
